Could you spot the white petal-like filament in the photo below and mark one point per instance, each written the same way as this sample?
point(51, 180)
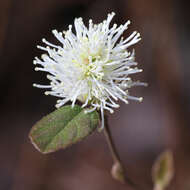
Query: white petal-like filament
point(91, 65)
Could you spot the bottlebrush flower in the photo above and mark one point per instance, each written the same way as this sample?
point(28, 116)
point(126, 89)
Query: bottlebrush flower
point(91, 65)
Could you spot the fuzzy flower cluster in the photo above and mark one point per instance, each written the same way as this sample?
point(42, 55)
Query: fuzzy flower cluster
point(91, 65)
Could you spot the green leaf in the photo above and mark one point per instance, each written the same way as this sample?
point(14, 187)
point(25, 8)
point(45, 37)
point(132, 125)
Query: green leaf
point(63, 127)
point(163, 170)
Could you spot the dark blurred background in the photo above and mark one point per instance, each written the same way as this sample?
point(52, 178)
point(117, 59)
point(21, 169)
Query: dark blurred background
point(141, 131)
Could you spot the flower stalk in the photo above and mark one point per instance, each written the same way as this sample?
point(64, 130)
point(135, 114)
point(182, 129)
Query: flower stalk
point(118, 170)
point(110, 142)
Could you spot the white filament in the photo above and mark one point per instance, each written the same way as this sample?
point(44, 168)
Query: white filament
point(92, 66)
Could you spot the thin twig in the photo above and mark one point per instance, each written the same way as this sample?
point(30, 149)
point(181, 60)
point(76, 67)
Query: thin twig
point(110, 142)
point(115, 155)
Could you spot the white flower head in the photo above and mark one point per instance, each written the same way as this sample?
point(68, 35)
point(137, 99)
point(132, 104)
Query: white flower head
point(91, 65)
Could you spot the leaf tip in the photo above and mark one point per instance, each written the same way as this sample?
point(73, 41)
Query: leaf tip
point(163, 170)
point(33, 143)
